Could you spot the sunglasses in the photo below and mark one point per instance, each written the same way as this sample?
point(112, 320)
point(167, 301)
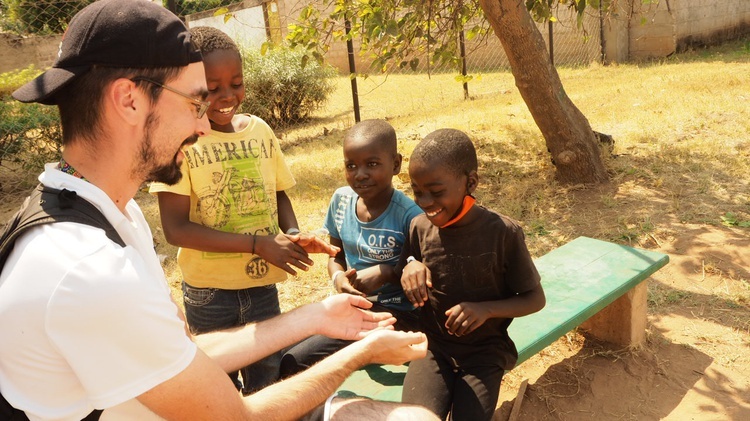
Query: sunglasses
point(200, 106)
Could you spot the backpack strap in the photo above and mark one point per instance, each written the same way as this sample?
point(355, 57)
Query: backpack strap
point(46, 205)
point(9, 413)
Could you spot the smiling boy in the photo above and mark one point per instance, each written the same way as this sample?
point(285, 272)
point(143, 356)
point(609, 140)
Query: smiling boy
point(368, 220)
point(229, 213)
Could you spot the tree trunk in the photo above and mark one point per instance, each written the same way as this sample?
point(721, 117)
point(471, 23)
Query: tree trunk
point(574, 148)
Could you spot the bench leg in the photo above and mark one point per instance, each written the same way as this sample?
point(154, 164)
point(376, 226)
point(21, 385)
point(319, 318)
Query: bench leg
point(624, 321)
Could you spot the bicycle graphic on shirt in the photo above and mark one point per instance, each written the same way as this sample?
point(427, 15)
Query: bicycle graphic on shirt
point(246, 194)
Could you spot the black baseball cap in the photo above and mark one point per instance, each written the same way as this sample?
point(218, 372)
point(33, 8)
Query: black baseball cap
point(114, 33)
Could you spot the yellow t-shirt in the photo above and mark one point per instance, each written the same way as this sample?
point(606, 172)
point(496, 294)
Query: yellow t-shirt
point(232, 180)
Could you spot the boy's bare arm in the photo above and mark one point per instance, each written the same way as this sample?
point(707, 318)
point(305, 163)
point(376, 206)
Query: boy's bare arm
point(370, 279)
point(309, 242)
point(416, 279)
point(279, 249)
point(465, 317)
point(287, 218)
point(180, 231)
point(343, 277)
point(337, 262)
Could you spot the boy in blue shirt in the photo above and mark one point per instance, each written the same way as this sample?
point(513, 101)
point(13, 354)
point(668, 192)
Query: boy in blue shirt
point(368, 220)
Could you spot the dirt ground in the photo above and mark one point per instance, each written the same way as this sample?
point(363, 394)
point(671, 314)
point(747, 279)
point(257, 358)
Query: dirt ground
point(695, 364)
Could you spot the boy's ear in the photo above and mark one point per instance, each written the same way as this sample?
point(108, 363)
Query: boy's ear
point(397, 160)
point(472, 181)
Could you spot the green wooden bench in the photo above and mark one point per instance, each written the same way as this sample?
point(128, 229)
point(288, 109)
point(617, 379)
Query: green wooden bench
point(589, 283)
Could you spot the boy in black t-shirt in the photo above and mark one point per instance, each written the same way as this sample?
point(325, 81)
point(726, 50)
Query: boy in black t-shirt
point(470, 271)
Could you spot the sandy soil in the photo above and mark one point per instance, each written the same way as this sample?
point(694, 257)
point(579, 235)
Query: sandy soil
point(695, 364)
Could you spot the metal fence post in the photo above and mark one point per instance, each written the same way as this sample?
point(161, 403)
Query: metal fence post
point(352, 69)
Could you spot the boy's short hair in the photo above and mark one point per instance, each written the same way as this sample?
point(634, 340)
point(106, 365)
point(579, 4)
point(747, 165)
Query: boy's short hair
point(374, 130)
point(209, 39)
point(449, 148)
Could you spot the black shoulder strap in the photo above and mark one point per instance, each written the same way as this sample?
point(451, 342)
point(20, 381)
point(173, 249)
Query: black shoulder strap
point(46, 205)
point(9, 413)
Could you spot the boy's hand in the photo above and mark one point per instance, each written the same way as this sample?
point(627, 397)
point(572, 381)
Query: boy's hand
point(345, 316)
point(311, 243)
point(415, 279)
point(394, 347)
point(281, 251)
point(345, 282)
point(369, 280)
point(465, 317)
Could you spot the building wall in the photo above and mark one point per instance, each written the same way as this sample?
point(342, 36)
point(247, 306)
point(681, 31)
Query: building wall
point(18, 53)
point(247, 25)
point(640, 31)
point(706, 22)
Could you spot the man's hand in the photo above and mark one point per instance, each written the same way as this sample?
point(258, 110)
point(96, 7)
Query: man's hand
point(345, 316)
point(465, 317)
point(395, 347)
point(415, 279)
point(282, 252)
point(311, 243)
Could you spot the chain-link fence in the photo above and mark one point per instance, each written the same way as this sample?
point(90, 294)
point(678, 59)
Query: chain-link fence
point(484, 67)
point(282, 87)
point(30, 32)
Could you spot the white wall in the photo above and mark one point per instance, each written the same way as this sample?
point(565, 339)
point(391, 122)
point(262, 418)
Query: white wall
point(247, 26)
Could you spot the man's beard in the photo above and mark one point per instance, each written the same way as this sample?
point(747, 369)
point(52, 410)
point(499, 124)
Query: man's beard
point(168, 173)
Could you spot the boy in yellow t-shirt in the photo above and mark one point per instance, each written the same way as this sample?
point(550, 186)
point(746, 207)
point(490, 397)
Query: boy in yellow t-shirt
point(234, 224)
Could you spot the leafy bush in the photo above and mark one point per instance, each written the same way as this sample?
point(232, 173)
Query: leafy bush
point(12, 80)
point(30, 134)
point(41, 16)
point(282, 87)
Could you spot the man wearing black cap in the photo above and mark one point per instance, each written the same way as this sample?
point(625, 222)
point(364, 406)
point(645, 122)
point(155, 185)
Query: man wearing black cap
point(89, 325)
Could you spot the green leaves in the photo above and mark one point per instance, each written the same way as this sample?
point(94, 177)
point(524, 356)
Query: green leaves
point(408, 33)
point(224, 11)
point(731, 219)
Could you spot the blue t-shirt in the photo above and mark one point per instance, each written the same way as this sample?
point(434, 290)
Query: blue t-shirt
point(371, 243)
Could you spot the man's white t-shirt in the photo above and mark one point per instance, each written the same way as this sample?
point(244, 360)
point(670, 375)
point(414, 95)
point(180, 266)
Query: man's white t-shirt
point(86, 323)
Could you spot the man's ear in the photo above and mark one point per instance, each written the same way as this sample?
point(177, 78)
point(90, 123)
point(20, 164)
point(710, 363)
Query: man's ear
point(126, 100)
point(397, 161)
point(472, 181)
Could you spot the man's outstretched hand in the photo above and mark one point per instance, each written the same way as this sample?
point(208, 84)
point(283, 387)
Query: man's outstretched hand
point(346, 316)
point(394, 347)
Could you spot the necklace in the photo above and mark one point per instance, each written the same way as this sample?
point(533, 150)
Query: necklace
point(68, 169)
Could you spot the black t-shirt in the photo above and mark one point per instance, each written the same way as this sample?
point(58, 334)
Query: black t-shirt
point(485, 260)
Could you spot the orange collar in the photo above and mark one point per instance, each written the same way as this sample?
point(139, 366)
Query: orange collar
point(466, 207)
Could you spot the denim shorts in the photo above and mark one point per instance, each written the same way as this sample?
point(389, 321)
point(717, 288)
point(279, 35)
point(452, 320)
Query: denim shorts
point(211, 309)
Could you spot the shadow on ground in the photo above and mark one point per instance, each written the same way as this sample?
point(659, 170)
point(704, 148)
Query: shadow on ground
point(602, 383)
